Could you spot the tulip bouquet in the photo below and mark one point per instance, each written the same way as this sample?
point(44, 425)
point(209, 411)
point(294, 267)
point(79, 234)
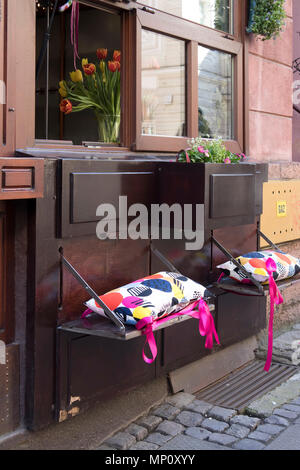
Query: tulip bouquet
point(96, 87)
point(208, 151)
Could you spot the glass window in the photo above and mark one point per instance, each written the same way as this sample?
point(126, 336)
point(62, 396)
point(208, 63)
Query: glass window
point(163, 85)
point(215, 94)
point(216, 14)
point(82, 106)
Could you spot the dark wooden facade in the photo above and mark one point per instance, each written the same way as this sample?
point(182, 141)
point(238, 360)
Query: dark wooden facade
point(47, 203)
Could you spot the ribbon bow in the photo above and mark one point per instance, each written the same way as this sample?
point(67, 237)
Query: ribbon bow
point(275, 297)
point(206, 326)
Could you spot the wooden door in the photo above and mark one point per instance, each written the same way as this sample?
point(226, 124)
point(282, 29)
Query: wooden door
point(7, 77)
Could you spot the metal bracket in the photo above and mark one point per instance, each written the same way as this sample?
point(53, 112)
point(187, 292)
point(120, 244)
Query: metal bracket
point(109, 313)
point(163, 259)
point(267, 240)
point(238, 265)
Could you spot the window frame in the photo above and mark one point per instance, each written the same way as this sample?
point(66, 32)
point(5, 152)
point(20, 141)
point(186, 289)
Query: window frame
point(133, 19)
point(193, 34)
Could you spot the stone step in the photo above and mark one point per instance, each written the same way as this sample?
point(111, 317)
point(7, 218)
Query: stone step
point(286, 347)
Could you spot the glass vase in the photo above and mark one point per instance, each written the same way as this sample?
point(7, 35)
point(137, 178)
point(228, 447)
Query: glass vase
point(108, 128)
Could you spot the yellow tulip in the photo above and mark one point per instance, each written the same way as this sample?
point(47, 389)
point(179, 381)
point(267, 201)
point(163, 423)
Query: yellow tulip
point(84, 62)
point(62, 84)
point(63, 92)
point(102, 66)
point(76, 76)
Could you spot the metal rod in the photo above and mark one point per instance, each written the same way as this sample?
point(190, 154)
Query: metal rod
point(238, 265)
point(163, 259)
point(267, 240)
point(109, 313)
point(47, 79)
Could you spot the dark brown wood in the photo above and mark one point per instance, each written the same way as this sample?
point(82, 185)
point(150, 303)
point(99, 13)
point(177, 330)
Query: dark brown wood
point(87, 184)
point(7, 319)
point(43, 281)
point(7, 77)
point(239, 317)
point(21, 178)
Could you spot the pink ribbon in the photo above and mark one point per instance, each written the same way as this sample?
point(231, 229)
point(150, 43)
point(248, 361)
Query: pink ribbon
point(206, 326)
point(75, 30)
point(275, 297)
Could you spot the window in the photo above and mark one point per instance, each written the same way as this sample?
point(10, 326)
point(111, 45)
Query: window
point(189, 73)
point(86, 125)
point(216, 14)
point(181, 73)
point(163, 85)
point(215, 93)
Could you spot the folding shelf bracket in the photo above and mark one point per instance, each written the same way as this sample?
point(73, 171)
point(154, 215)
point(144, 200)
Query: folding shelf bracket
point(267, 240)
point(163, 259)
point(109, 313)
point(238, 265)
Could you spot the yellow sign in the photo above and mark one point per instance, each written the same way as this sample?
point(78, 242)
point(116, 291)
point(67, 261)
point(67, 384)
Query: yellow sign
point(281, 208)
point(280, 220)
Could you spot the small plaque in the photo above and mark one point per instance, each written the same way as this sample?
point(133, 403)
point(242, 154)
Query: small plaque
point(281, 208)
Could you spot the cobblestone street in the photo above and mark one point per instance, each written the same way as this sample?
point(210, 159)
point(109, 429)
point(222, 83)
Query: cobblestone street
point(183, 422)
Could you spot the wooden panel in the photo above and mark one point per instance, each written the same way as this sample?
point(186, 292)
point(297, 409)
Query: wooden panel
point(113, 366)
point(232, 195)
point(21, 178)
point(107, 187)
point(280, 220)
point(25, 22)
point(239, 317)
point(7, 76)
point(87, 184)
point(182, 344)
point(6, 273)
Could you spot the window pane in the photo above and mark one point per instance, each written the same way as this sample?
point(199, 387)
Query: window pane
point(215, 97)
point(216, 14)
point(163, 85)
point(97, 30)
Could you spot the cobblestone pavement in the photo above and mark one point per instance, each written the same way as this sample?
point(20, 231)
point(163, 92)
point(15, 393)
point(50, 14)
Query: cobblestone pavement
point(183, 422)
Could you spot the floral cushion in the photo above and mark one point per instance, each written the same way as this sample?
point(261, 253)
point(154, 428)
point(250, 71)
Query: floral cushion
point(156, 296)
point(255, 263)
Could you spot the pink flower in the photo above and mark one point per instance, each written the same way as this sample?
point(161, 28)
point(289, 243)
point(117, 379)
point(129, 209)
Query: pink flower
point(203, 150)
point(227, 160)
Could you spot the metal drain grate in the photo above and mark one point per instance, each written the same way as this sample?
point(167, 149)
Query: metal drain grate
point(241, 387)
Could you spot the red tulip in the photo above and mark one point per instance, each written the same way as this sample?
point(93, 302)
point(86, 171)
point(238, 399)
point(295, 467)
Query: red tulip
point(113, 65)
point(89, 69)
point(117, 56)
point(66, 106)
point(101, 54)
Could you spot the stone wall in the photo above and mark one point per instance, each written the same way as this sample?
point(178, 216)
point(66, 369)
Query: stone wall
point(270, 95)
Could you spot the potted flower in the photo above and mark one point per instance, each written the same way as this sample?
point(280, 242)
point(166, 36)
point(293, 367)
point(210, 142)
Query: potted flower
point(208, 151)
point(96, 87)
point(266, 18)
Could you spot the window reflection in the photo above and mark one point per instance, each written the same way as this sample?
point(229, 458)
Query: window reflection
point(215, 97)
point(216, 14)
point(163, 85)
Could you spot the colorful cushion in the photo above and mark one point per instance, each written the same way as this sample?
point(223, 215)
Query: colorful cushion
point(255, 263)
point(153, 296)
